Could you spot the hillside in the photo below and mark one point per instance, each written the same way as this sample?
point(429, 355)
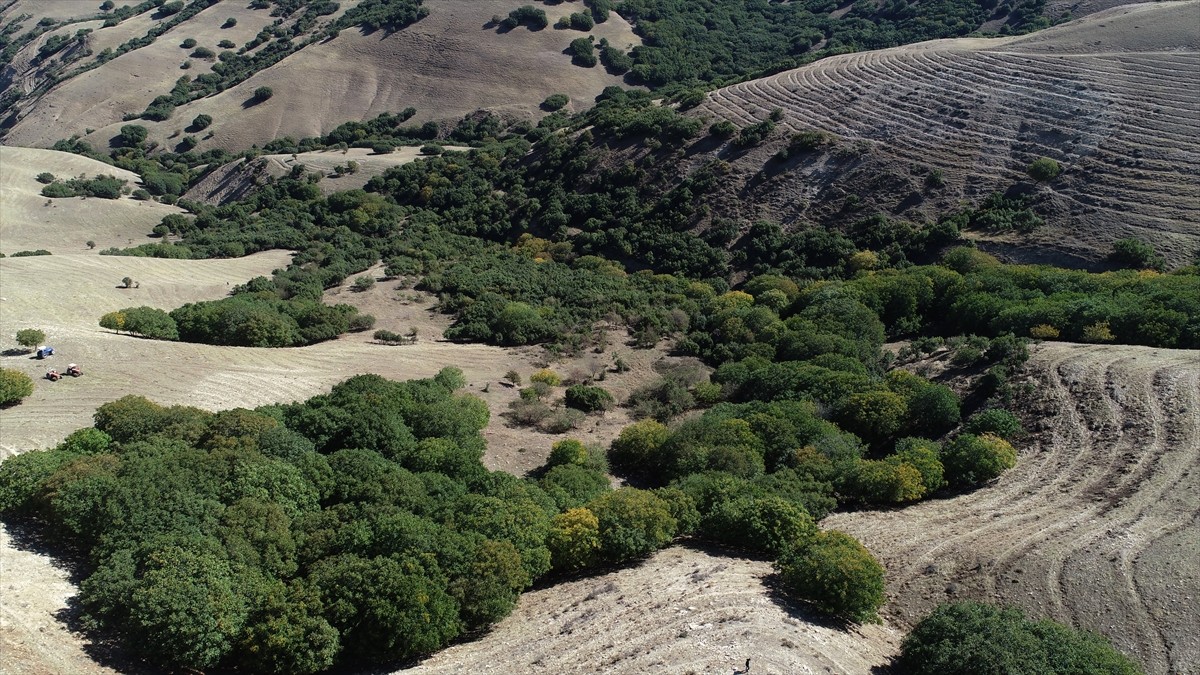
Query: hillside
point(1095, 525)
point(446, 65)
point(63, 225)
point(239, 178)
point(1112, 97)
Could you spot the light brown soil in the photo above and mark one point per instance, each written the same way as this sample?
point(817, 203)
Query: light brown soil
point(446, 65)
point(681, 611)
point(29, 221)
point(1097, 526)
point(1112, 97)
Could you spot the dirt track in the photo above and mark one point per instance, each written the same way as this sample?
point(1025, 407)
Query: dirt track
point(1098, 525)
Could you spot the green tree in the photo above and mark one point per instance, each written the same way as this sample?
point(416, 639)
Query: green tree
point(971, 459)
point(633, 523)
point(972, 638)
point(133, 135)
point(150, 322)
point(997, 421)
point(1043, 169)
point(186, 608)
point(555, 102)
point(262, 94)
point(638, 445)
point(767, 524)
point(836, 574)
point(287, 633)
point(1136, 254)
point(924, 456)
point(574, 540)
point(30, 338)
point(384, 608)
point(875, 416)
point(489, 589)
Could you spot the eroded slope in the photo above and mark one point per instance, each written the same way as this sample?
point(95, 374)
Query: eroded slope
point(1115, 98)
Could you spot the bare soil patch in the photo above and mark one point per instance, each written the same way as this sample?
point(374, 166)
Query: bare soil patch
point(1096, 527)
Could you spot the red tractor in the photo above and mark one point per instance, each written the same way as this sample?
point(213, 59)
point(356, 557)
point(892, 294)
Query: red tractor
point(53, 375)
point(73, 370)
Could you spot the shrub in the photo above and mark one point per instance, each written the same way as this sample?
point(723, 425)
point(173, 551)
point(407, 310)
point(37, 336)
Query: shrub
point(924, 456)
point(546, 376)
point(45, 178)
point(836, 574)
point(526, 15)
point(561, 421)
point(887, 482)
point(363, 283)
point(226, 44)
point(432, 150)
point(583, 53)
point(1135, 254)
point(1043, 169)
point(263, 93)
point(555, 102)
point(30, 338)
point(971, 459)
point(723, 129)
point(188, 43)
point(229, 23)
point(588, 399)
point(361, 322)
point(14, 386)
point(133, 135)
point(203, 53)
point(1044, 331)
point(581, 21)
point(996, 421)
point(201, 122)
point(972, 638)
point(514, 377)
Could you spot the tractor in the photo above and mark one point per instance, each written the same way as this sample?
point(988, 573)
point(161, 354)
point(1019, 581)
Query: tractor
point(74, 370)
point(53, 375)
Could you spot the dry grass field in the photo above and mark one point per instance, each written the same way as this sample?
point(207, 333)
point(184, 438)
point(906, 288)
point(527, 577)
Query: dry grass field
point(446, 65)
point(1113, 97)
point(29, 221)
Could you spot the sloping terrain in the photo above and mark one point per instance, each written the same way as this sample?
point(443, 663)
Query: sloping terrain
point(1098, 524)
point(681, 611)
point(1114, 97)
point(29, 221)
point(239, 178)
point(447, 65)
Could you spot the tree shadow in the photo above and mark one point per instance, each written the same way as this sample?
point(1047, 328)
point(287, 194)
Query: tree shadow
point(15, 351)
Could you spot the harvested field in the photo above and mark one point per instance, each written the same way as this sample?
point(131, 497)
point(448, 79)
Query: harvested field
point(1113, 97)
point(1097, 526)
point(31, 221)
point(683, 610)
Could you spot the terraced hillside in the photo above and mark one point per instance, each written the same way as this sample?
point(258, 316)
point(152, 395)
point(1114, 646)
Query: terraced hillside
point(1114, 97)
point(446, 65)
point(1098, 524)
